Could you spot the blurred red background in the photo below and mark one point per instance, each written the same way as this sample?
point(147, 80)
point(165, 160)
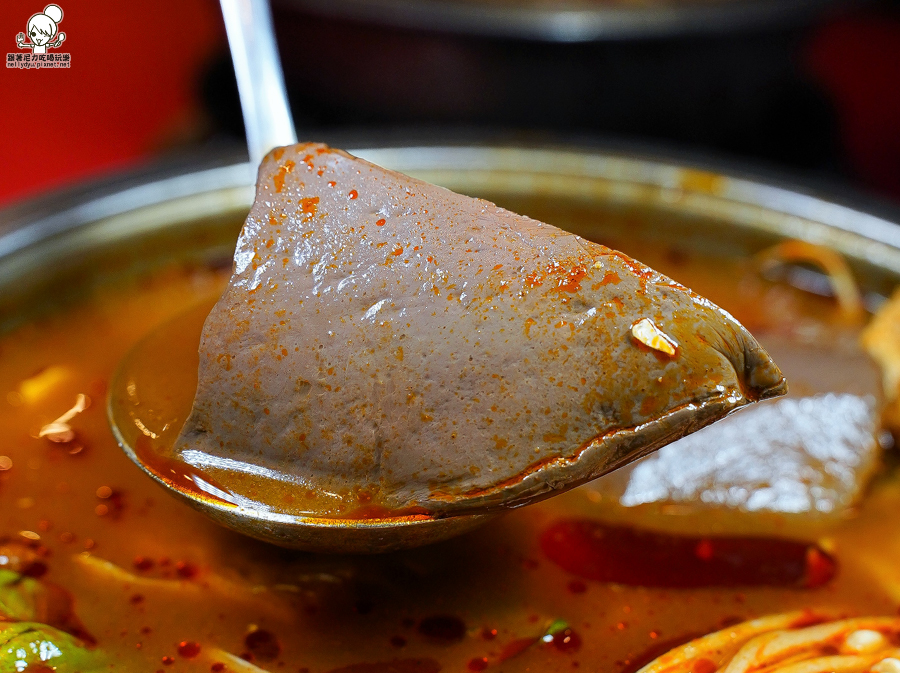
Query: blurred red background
point(133, 90)
point(856, 59)
point(130, 93)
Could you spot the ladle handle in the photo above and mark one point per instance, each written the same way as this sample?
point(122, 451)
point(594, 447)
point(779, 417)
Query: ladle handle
point(264, 103)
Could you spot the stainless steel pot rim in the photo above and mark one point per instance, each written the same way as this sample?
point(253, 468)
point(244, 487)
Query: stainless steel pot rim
point(659, 182)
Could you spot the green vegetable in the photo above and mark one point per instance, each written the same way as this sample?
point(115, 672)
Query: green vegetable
point(554, 628)
point(19, 596)
point(27, 646)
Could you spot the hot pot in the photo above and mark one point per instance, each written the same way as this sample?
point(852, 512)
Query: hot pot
point(473, 599)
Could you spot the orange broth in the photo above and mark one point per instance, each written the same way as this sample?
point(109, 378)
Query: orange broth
point(160, 587)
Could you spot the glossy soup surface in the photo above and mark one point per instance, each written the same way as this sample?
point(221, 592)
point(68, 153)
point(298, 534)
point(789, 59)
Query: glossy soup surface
point(159, 587)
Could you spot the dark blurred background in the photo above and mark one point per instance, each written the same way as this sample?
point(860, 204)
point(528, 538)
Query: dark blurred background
point(805, 88)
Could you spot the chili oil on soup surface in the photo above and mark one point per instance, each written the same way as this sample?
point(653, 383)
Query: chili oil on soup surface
point(156, 586)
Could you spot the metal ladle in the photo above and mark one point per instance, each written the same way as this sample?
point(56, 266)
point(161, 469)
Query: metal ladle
point(141, 388)
point(264, 103)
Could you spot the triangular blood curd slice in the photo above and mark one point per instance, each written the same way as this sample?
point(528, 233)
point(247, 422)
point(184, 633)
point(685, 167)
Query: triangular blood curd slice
point(386, 345)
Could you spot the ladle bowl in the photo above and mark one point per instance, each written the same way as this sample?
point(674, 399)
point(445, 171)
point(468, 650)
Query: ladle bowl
point(150, 397)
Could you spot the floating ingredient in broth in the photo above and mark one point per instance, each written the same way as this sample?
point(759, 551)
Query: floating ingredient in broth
point(784, 257)
point(881, 339)
point(26, 599)
point(799, 642)
point(60, 431)
point(404, 348)
point(39, 630)
point(29, 646)
point(558, 635)
point(600, 552)
point(812, 455)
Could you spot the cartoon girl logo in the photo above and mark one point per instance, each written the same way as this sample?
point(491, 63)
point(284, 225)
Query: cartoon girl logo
point(42, 28)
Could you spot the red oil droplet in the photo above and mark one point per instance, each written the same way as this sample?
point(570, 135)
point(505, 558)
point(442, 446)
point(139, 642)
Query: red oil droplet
point(704, 550)
point(262, 644)
point(477, 664)
point(186, 570)
point(143, 563)
point(820, 568)
point(566, 640)
point(35, 569)
point(353, 194)
point(808, 618)
point(571, 282)
point(310, 205)
point(188, 649)
point(168, 661)
point(704, 666)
